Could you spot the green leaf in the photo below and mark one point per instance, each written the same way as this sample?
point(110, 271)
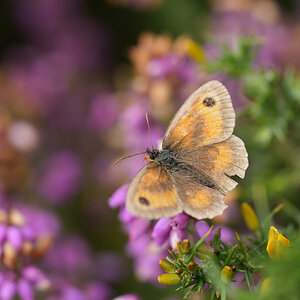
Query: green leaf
point(193, 250)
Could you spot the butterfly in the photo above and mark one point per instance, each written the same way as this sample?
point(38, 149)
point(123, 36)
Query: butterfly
point(199, 152)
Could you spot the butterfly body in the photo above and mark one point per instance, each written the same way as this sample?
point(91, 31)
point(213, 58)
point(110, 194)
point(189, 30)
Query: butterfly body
point(199, 153)
point(169, 160)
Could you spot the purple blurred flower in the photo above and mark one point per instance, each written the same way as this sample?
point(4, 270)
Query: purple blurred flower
point(118, 197)
point(8, 289)
point(39, 222)
point(180, 67)
point(98, 291)
point(137, 227)
point(69, 256)
point(92, 291)
point(147, 266)
point(111, 267)
point(227, 234)
point(135, 128)
point(161, 231)
point(103, 112)
point(228, 26)
point(61, 177)
point(25, 290)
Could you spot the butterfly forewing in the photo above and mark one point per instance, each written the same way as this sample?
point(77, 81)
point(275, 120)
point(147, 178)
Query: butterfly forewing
point(152, 194)
point(206, 117)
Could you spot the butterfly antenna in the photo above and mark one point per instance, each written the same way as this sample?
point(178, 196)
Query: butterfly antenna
point(147, 120)
point(127, 156)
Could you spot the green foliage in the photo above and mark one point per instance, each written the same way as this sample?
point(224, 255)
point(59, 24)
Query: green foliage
point(200, 266)
point(237, 62)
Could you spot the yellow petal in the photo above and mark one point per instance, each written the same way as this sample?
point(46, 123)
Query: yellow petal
point(277, 244)
point(250, 217)
point(195, 51)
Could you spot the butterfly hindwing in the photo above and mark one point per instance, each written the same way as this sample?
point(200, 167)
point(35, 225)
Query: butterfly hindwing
point(199, 201)
point(206, 117)
point(220, 160)
point(152, 193)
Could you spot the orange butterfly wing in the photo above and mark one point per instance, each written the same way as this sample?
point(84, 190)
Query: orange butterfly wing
point(219, 161)
point(152, 193)
point(206, 117)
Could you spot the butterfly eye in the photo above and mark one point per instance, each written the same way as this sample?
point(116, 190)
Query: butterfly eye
point(144, 201)
point(209, 102)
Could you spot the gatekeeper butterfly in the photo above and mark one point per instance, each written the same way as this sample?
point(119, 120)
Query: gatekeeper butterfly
point(199, 153)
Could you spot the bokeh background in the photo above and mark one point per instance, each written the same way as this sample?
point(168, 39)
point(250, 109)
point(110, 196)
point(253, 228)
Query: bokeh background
point(76, 79)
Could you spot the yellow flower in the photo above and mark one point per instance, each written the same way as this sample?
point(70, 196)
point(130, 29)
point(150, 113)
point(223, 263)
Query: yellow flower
point(227, 274)
point(249, 216)
point(195, 51)
point(169, 279)
point(277, 243)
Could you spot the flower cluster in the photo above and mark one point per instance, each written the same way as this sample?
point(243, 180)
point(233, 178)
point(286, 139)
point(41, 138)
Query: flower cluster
point(21, 245)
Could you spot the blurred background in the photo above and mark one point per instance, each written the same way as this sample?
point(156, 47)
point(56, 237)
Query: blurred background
point(76, 79)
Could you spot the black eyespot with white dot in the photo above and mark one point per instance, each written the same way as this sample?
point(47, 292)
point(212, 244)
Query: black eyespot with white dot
point(209, 102)
point(144, 201)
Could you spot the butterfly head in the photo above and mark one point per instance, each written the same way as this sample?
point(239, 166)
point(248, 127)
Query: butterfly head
point(153, 154)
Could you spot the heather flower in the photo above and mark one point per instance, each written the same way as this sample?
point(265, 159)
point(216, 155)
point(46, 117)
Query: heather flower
point(117, 199)
point(227, 235)
point(61, 177)
point(74, 257)
point(92, 291)
point(112, 267)
point(135, 128)
point(228, 26)
point(20, 244)
point(103, 112)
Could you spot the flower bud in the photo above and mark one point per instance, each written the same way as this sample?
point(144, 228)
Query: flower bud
point(277, 244)
point(227, 274)
point(3, 216)
point(27, 248)
point(250, 217)
point(16, 218)
point(185, 246)
point(169, 279)
point(192, 267)
point(9, 255)
point(41, 247)
point(167, 266)
point(180, 221)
